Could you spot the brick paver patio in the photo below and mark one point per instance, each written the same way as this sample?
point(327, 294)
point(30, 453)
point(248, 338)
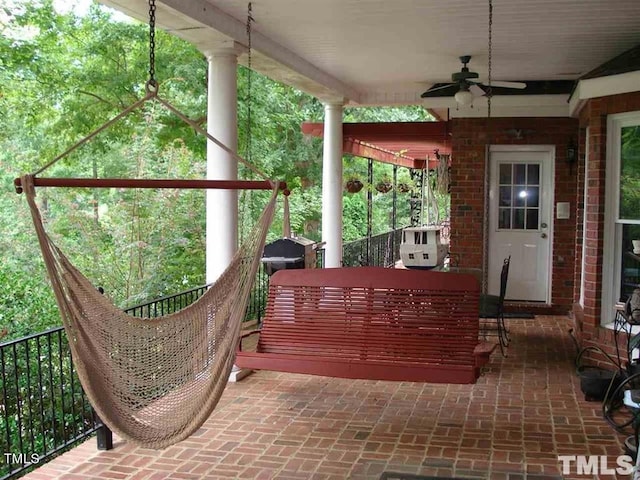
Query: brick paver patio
point(524, 412)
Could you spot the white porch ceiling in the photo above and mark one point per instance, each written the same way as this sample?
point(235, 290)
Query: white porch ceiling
point(384, 52)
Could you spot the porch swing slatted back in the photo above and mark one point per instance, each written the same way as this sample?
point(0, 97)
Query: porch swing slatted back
point(371, 323)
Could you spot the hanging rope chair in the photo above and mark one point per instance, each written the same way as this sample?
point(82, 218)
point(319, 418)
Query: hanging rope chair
point(152, 381)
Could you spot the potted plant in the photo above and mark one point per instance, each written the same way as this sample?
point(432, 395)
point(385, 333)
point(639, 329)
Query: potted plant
point(384, 185)
point(354, 185)
point(403, 188)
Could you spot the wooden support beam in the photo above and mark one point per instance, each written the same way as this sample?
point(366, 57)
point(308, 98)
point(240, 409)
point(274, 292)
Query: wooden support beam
point(150, 183)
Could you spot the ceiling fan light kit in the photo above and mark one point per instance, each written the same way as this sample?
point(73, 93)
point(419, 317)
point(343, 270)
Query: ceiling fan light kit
point(464, 97)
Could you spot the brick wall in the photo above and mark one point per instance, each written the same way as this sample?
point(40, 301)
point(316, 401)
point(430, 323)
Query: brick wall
point(469, 140)
point(594, 115)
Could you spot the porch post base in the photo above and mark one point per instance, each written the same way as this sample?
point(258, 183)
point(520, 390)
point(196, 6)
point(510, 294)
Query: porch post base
point(238, 373)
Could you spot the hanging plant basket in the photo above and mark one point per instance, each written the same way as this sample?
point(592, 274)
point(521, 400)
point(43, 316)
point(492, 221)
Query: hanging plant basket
point(384, 186)
point(354, 185)
point(403, 188)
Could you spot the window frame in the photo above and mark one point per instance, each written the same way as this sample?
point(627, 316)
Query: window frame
point(613, 225)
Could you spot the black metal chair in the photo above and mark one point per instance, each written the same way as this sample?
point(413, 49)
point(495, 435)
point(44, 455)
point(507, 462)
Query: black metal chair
point(492, 306)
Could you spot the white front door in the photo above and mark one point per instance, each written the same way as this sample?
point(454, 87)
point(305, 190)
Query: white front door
point(520, 200)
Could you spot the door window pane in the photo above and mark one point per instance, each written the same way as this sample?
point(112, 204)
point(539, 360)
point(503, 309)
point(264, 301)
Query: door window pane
point(519, 196)
point(532, 196)
point(533, 174)
point(505, 173)
point(505, 196)
point(518, 218)
point(532, 219)
point(519, 173)
point(504, 218)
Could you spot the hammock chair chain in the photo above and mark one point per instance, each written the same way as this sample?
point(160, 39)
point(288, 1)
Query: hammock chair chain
point(152, 44)
point(152, 88)
point(249, 75)
point(489, 94)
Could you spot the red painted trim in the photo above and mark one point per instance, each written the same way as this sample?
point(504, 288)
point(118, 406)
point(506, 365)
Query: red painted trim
point(386, 130)
point(407, 144)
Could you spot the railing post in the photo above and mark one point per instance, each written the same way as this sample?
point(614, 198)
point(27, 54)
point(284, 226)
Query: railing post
point(394, 207)
point(369, 210)
point(104, 436)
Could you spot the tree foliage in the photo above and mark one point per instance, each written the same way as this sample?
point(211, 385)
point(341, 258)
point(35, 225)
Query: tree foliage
point(62, 76)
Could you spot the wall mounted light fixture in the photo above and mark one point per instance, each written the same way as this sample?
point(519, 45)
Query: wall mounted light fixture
point(572, 154)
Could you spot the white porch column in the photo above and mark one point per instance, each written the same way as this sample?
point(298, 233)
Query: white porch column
point(222, 205)
point(332, 185)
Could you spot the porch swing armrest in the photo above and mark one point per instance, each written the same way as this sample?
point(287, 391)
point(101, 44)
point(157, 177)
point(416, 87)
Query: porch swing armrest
point(250, 332)
point(246, 334)
point(483, 351)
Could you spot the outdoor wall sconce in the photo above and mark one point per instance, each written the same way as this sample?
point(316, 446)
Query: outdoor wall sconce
point(572, 154)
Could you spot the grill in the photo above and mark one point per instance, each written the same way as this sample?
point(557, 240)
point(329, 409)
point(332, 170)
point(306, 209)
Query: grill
point(289, 253)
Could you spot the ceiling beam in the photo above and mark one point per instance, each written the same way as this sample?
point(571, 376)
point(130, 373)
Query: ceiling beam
point(602, 87)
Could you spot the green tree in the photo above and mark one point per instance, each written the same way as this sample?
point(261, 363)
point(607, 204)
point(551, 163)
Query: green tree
point(63, 75)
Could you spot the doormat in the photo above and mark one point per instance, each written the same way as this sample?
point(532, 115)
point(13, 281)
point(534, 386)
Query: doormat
point(411, 476)
point(524, 315)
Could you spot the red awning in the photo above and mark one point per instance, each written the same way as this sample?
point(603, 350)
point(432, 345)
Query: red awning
point(407, 144)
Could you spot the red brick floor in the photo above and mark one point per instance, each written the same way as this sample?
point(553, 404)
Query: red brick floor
point(524, 411)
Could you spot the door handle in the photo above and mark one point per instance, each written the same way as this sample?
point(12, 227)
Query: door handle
point(543, 235)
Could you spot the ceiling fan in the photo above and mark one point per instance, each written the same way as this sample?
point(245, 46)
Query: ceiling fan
point(467, 86)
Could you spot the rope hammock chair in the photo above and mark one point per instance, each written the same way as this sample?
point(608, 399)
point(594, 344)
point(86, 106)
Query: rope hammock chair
point(152, 381)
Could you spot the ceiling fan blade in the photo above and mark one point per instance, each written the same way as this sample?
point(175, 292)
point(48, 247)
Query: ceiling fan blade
point(497, 83)
point(435, 89)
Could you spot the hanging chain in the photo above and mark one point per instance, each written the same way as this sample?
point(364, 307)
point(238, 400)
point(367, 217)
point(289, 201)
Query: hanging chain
point(489, 93)
point(487, 166)
point(152, 43)
point(249, 72)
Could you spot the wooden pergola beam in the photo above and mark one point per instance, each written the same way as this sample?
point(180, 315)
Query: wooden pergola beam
point(407, 144)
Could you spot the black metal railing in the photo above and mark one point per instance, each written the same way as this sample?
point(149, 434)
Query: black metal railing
point(381, 250)
point(258, 297)
point(44, 409)
point(168, 304)
point(173, 303)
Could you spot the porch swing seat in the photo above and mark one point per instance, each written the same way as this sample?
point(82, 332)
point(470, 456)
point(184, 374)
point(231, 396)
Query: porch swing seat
point(371, 323)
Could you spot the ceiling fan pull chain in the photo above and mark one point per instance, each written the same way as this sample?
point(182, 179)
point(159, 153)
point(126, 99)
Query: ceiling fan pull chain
point(490, 53)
